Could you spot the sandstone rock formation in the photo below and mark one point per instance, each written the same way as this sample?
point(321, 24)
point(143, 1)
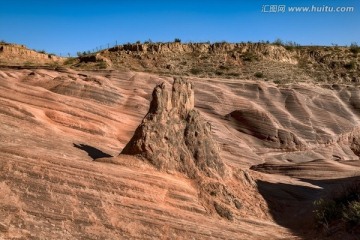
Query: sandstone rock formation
point(299, 140)
point(173, 135)
point(95, 58)
point(261, 125)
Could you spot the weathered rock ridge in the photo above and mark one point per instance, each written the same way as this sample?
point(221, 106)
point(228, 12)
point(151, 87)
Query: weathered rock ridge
point(271, 62)
point(173, 135)
point(19, 54)
point(264, 51)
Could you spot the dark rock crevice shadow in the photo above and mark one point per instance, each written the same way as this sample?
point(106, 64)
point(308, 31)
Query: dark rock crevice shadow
point(93, 152)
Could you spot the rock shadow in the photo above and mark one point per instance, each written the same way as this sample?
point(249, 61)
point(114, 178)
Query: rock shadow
point(292, 206)
point(94, 153)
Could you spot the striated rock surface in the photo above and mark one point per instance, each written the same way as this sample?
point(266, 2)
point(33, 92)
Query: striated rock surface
point(173, 135)
point(262, 126)
point(52, 189)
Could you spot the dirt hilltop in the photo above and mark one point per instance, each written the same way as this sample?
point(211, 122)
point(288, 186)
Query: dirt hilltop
point(269, 62)
point(15, 54)
point(219, 156)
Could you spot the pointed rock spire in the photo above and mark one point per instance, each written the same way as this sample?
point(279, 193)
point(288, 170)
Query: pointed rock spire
point(174, 136)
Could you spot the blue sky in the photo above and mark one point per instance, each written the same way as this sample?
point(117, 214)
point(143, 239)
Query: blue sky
point(70, 26)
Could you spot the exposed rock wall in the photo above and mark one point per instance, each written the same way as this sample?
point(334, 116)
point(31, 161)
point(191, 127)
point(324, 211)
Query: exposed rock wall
point(263, 51)
point(95, 58)
point(13, 53)
point(280, 63)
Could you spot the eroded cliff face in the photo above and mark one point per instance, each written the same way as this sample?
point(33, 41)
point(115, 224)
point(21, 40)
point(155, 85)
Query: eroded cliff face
point(19, 54)
point(234, 50)
point(174, 136)
point(278, 63)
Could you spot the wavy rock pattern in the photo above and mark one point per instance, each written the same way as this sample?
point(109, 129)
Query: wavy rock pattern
point(51, 189)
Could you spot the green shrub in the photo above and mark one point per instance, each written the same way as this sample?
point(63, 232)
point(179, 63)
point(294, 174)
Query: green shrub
point(259, 75)
point(219, 73)
point(222, 67)
point(354, 48)
point(325, 211)
point(102, 65)
point(70, 61)
point(195, 71)
point(291, 45)
point(177, 40)
point(149, 41)
point(277, 81)
point(351, 214)
point(343, 207)
point(249, 57)
point(278, 42)
point(80, 54)
point(351, 65)
point(233, 74)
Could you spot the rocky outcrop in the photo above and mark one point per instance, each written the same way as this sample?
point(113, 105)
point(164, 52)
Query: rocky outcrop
point(264, 51)
point(95, 58)
point(174, 136)
point(14, 53)
point(281, 63)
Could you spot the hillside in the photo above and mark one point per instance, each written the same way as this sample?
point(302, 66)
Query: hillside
point(142, 150)
point(279, 63)
point(15, 54)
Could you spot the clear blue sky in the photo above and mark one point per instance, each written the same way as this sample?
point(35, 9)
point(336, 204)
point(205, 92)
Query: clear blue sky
point(70, 26)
